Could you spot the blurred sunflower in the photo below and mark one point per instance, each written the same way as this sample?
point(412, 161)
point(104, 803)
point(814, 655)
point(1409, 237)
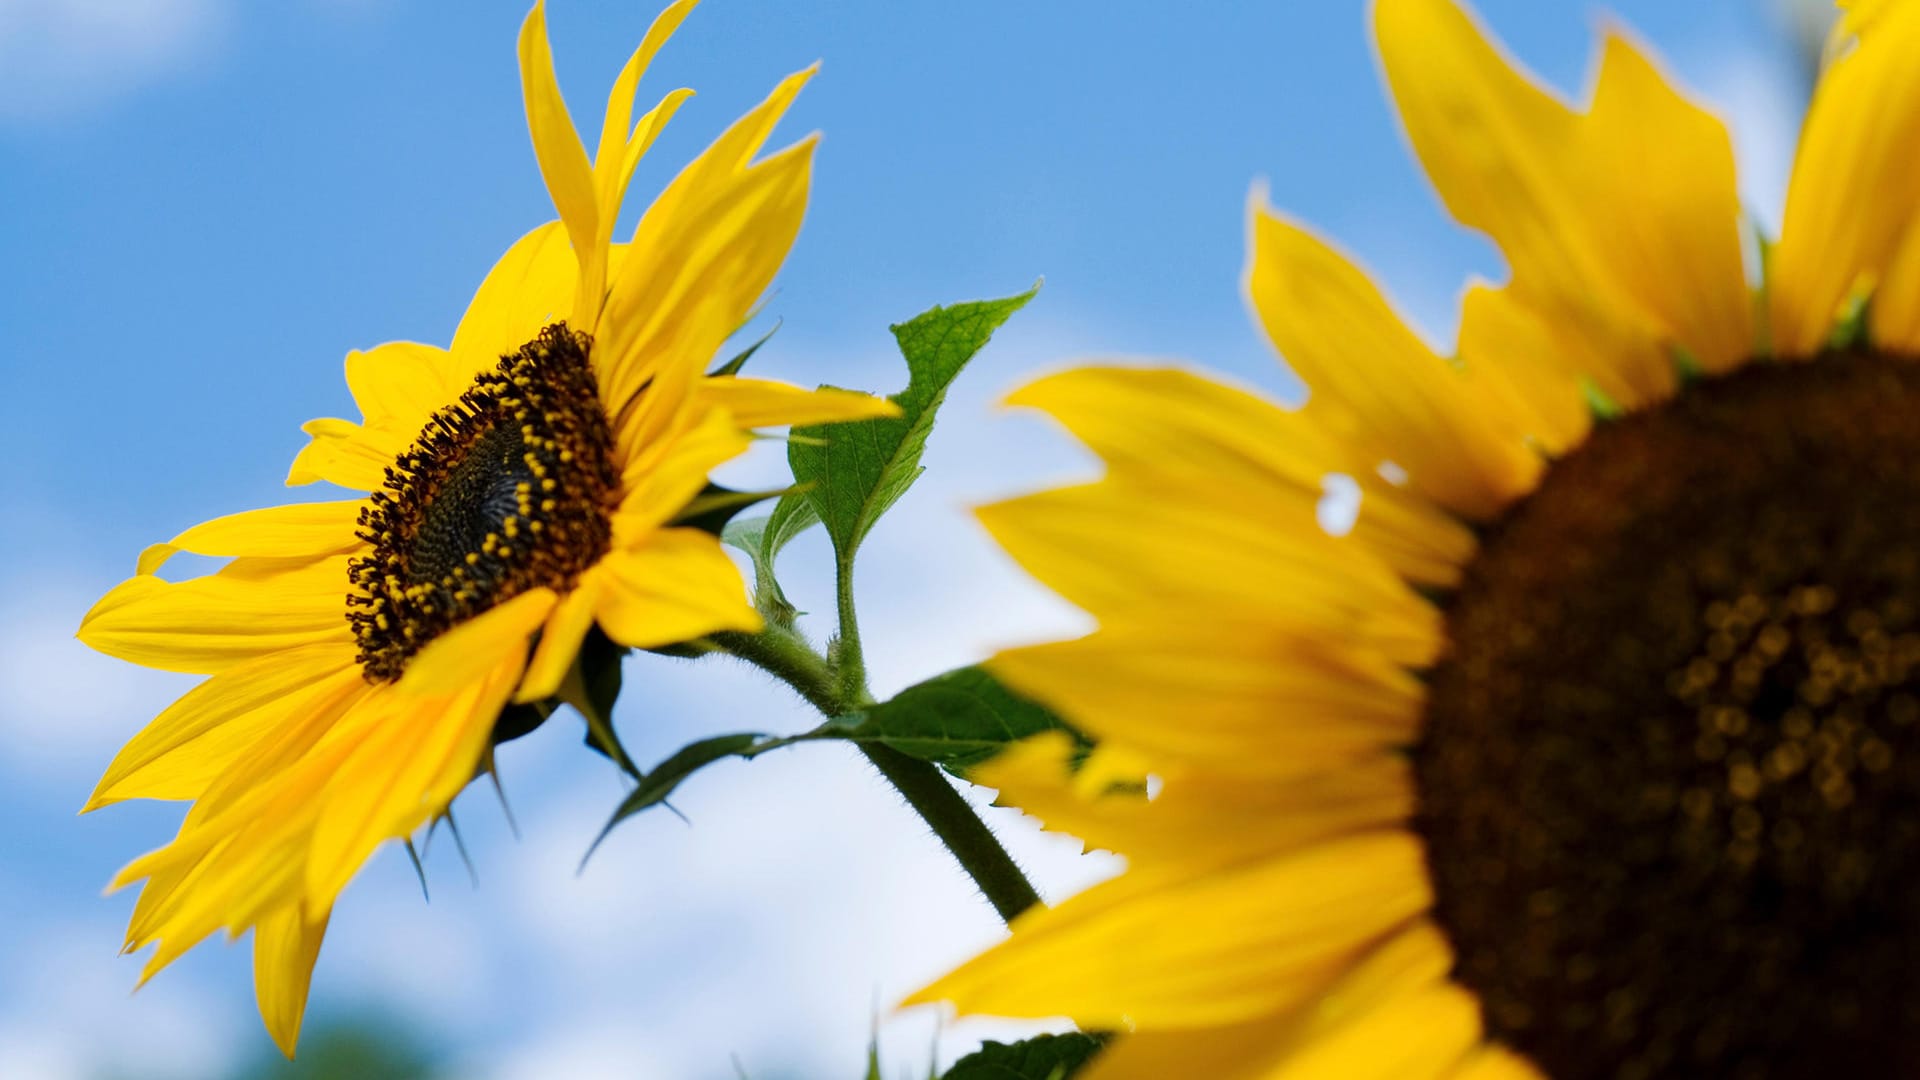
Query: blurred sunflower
point(1591, 746)
point(525, 484)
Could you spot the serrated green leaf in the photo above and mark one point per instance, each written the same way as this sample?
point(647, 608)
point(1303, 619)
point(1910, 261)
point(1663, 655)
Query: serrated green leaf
point(762, 538)
point(860, 469)
point(955, 720)
point(1043, 1057)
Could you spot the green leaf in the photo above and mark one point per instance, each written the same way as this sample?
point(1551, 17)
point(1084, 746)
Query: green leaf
point(955, 720)
point(762, 538)
point(660, 781)
point(1044, 1057)
point(860, 469)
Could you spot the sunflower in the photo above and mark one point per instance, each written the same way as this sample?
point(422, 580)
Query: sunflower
point(525, 485)
point(1590, 747)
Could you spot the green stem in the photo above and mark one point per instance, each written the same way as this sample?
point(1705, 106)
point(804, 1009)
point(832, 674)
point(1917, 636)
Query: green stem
point(787, 656)
point(850, 663)
point(947, 812)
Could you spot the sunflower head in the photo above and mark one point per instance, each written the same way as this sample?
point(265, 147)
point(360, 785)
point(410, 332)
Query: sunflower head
point(522, 487)
point(1589, 749)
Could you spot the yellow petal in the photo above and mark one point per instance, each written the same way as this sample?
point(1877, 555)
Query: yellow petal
point(530, 288)
point(347, 454)
point(323, 528)
point(285, 946)
point(1664, 219)
point(478, 646)
point(563, 161)
point(1272, 814)
point(757, 403)
point(1581, 206)
point(566, 627)
point(619, 152)
point(204, 732)
point(1370, 379)
point(209, 624)
point(422, 754)
point(1245, 699)
point(665, 473)
point(1419, 1036)
point(1495, 1062)
point(719, 233)
point(1850, 201)
point(1166, 950)
point(400, 384)
point(1412, 960)
point(1186, 551)
point(676, 587)
point(1533, 367)
point(1179, 428)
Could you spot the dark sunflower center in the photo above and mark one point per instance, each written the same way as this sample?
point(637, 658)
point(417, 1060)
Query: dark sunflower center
point(510, 488)
point(1670, 785)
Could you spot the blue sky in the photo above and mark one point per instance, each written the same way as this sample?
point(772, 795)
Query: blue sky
point(204, 204)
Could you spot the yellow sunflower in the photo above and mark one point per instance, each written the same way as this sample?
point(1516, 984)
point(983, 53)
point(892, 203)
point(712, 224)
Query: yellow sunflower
point(525, 485)
point(1592, 747)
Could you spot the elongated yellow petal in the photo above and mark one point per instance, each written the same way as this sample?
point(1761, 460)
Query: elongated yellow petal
point(1621, 226)
point(1535, 368)
point(1663, 220)
point(719, 232)
point(210, 727)
point(1495, 1062)
point(1201, 950)
point(350, 455)
point(322, 528)
point(1126, 552)
point(1177, 428)
point(757, 403)
point(619, 152)
point(285, 946)
point(677, 586)
point(421, 755)
point(400, 384)
point(556, 143)
point(1420, 1036)
point(1232, 696)
point(209, 624)
point(1271, 815)
point(1411, 961)
point(1850, 201)
point(1373, 381)
point(614, 131)
point(666, 473)
point(529, 288)
point(478, 646)
point(566, 627)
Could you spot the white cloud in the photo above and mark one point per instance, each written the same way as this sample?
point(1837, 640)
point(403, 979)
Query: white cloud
point(65, 1012)
point(58, 57)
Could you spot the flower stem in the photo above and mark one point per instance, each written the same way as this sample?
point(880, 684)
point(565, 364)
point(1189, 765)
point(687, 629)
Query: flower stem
point(850, 662)
point(787, 656)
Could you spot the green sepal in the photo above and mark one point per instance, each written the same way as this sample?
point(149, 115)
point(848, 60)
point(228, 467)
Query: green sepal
point(716, 506)
point(733, 366)
point(861, 468)
point(657, 783)
point(956, 720)
point(1043, 1057)
point(591, 688)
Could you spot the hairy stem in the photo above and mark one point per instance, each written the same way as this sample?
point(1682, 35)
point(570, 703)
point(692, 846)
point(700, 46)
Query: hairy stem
point(787, 656)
